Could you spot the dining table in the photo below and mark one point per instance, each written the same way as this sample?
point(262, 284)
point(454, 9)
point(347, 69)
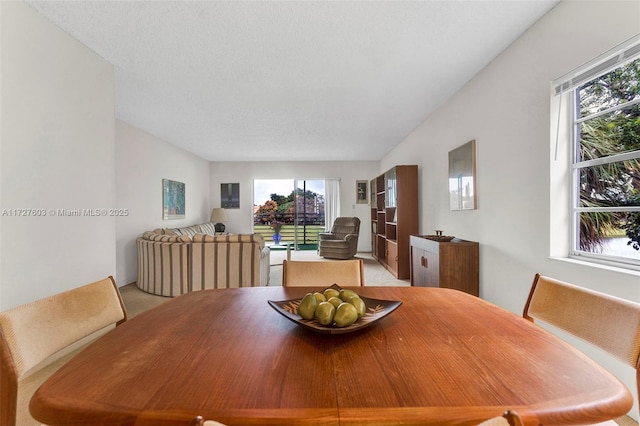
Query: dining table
point(436, 357)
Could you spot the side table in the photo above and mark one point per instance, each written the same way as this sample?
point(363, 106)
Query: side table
point(283, 245)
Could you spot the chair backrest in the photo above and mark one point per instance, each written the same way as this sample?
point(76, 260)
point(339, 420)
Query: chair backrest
point(608, 322)
point(345, 273)
point(33, 333)
point(508, 418)
point(343, 226)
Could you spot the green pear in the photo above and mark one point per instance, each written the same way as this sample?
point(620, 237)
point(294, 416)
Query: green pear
point(307, 307)
point(324, 313)
point(346, 314)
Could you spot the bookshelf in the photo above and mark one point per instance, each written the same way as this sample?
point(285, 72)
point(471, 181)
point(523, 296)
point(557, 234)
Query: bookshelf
point(394, 218)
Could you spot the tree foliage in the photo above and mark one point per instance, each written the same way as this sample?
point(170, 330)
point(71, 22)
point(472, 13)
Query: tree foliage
point(614, 184)
point(270, 206)
point(283, 208)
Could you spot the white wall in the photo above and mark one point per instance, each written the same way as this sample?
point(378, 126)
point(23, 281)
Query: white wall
point(57, 153)
point(506, 108)
point(142, 161)
point(241, 220)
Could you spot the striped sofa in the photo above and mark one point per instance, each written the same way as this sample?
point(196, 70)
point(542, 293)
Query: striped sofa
point(170, 264)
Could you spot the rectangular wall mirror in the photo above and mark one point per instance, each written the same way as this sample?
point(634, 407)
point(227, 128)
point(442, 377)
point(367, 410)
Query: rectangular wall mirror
point(462, 177)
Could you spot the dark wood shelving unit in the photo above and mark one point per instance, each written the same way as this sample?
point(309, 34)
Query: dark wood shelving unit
point(394, 217)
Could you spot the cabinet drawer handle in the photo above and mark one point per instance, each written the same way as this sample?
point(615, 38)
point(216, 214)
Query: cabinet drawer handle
point(423, 261)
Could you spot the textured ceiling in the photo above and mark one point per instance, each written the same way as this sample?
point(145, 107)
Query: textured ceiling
point(290, 80)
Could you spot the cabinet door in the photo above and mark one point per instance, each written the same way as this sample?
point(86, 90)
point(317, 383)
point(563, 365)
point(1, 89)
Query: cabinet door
point(425, 271)
point(381, 249)
point(418, 270)
point(392, 257)
point(459, 268)
point(432, 268)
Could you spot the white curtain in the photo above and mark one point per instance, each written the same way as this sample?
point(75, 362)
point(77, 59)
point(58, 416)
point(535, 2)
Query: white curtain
point(331, 202)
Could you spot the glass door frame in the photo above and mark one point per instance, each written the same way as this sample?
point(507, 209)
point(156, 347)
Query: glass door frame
point(303, 221)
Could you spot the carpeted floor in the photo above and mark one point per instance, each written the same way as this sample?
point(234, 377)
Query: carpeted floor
point(626, 421)
point(374, 273)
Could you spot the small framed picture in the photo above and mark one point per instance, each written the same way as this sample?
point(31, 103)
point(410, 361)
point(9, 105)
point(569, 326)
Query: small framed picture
point(230, 195)
point(362, 187)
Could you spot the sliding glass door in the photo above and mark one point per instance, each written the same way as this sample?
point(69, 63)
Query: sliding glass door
point(309, 213)
point(289, 211)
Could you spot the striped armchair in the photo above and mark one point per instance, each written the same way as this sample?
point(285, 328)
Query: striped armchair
point(170, 265)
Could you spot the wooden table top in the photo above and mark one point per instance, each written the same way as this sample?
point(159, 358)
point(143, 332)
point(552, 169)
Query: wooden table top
point(443, 357)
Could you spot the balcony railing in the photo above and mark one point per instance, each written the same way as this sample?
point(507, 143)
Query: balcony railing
point(306, 235)
point(289, 218)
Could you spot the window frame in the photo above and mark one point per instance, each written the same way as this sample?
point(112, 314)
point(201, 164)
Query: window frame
point(575, 163)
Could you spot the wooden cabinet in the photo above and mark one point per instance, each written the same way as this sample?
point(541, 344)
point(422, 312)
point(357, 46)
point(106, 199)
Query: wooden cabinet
point(394, 217)
point(392, 257)
point(453, 264)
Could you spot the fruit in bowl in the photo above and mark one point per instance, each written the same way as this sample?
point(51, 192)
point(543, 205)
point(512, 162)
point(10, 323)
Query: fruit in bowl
point(368, 311)
point(332, 307)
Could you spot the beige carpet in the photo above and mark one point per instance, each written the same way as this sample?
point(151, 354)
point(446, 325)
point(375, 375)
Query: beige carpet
point(374, 273)
point(626, 421)
point(137, 301)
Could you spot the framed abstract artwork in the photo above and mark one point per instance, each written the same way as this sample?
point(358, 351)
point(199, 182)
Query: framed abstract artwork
point(230, 195)
point(462, 177)
point(173, 200)
point(362, 187)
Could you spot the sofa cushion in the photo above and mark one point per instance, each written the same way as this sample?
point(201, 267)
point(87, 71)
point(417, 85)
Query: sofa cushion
point(187, 230)
point(229, 238)
point(152, 236)
point(208, 228)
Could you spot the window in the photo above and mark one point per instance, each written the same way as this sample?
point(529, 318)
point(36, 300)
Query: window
point(604, 162)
